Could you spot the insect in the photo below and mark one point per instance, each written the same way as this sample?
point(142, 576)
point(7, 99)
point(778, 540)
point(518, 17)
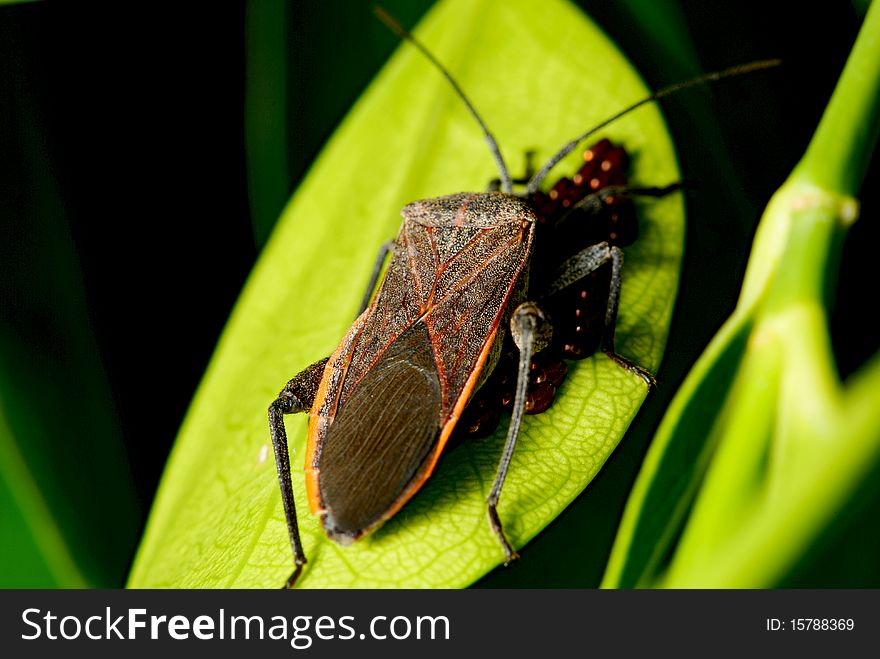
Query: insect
point(484, 295)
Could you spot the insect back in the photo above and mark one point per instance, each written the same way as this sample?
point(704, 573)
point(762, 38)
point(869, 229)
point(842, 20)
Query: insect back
point(532, 72)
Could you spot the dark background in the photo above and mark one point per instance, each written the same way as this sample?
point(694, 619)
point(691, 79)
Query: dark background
point(126, 228)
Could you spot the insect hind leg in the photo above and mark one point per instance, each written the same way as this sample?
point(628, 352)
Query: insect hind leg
point(530, 332)
point(297, 396)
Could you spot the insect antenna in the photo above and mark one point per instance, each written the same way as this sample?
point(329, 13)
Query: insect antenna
point(656, 96)
point(403, 33)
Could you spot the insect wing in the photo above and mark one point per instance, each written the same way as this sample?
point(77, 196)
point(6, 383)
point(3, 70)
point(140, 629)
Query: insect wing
point(402, 375)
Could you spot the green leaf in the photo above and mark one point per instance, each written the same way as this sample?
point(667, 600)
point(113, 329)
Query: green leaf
point(539, 74)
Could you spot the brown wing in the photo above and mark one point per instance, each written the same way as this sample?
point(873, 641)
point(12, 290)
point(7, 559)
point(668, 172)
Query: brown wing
point(381, 436)
point(401, 376)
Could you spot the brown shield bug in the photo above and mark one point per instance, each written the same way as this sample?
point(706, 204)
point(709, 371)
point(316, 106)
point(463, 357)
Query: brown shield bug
point(484, 296)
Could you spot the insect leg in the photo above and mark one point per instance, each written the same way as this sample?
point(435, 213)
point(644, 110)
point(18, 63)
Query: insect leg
point(611, 322)
point(386, 247)
point(530, 333)
point(579, 266)
point(297, 396)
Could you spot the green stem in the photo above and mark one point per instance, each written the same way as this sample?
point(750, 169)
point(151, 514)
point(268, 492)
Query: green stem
point(831, 172)
point(786, 423)
point(840, 151)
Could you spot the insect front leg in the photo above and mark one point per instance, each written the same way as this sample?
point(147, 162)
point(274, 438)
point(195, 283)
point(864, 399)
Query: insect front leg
point(530, 332)
point(297, 396)
point(580, 266)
